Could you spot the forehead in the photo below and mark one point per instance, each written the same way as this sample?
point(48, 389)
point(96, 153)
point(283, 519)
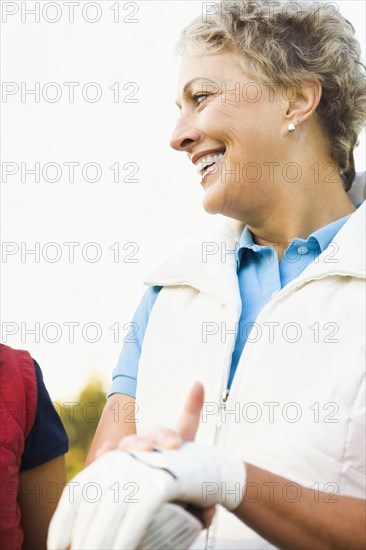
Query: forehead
point(218, 67)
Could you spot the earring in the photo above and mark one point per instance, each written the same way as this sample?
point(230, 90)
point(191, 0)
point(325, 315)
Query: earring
point(291, 128)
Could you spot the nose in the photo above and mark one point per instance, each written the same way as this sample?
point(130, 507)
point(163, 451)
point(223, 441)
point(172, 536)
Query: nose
point(184, 135)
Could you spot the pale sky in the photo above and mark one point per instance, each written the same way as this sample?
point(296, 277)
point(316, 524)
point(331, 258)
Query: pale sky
point(117, 232)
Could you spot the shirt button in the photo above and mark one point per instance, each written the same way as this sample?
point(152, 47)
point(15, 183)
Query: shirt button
point(274, 293)
point(302, 250)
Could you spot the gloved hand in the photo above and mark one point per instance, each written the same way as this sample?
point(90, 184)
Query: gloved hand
point(117, 496)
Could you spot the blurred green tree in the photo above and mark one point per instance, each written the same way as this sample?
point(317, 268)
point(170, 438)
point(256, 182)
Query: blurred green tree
point(80, 418)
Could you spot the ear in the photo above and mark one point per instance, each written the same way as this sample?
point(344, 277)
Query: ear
point(300, 103)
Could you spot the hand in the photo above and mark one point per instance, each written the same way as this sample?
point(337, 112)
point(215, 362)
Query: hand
point(165, 437)
point(198, 474)
point(170, 439)
point(97, 517)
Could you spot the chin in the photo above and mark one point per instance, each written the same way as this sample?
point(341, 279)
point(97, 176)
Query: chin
point(214, 200)
point(211, 205)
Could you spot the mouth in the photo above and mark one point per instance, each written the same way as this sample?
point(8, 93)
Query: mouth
point(209, 163)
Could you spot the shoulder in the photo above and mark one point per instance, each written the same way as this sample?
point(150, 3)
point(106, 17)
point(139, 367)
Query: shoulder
point(18, 386)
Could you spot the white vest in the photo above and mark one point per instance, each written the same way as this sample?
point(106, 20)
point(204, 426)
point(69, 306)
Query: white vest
point(297, 401)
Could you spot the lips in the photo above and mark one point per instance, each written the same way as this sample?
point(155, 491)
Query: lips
point(207, 152)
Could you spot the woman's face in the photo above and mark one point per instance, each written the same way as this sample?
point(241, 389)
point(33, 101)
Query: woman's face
point(240, 124)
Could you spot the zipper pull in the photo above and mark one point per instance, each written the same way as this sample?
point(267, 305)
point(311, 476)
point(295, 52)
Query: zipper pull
point(224, 398)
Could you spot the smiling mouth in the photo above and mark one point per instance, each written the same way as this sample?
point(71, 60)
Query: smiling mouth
point(207, 164)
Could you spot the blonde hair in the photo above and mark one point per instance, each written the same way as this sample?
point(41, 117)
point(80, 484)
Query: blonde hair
point(287, 43)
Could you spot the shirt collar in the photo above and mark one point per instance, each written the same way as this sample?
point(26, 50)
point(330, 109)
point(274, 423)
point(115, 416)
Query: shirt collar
point(325, 234)
point(246, 241)
point(321, 237)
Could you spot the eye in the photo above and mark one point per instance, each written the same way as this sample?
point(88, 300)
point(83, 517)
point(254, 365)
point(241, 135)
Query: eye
point(198, 97)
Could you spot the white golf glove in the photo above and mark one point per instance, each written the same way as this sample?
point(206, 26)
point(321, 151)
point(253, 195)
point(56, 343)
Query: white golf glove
point(110, 504)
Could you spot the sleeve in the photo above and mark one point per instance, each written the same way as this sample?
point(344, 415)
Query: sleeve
point(124, 375)
point(47, 439)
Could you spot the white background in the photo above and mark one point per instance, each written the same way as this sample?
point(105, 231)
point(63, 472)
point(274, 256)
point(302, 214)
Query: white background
point(159, 212)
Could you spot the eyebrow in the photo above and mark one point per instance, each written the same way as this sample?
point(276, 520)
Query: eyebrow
point(189, 84)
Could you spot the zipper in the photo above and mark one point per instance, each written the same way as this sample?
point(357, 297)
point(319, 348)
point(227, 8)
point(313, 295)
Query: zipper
point(223, 401)
point(210, 535)
point(211, 531)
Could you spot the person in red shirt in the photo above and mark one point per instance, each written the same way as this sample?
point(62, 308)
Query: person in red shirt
point(33, 442)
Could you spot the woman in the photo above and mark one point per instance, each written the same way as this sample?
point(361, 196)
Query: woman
point(268, 313)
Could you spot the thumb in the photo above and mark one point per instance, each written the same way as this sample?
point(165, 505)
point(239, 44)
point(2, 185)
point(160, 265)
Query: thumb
point(189, 421)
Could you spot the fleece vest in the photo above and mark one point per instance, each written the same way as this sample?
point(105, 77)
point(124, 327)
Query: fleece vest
point(297, 402)
point(18, 403)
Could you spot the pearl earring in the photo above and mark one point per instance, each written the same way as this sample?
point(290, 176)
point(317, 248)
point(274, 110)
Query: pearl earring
point(291, 128)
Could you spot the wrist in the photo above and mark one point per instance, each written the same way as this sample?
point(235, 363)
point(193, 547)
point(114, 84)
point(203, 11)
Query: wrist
point(234, 477)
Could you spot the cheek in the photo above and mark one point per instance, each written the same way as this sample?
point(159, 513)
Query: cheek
point(223, 120)
point(246, 128)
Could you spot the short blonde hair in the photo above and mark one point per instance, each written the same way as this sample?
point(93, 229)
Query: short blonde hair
point(287, 43)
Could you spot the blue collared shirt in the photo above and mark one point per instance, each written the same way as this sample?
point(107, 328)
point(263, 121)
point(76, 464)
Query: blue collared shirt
point(260, 277)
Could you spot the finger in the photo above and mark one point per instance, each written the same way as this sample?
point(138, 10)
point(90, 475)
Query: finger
point(102, 509)
point(165, 437)
point(136, 521)
point(207, 516)
point(190, 418)
point(136, 443)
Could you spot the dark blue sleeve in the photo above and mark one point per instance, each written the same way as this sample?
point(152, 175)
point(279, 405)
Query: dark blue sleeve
point(48, 438)
point(125, 373)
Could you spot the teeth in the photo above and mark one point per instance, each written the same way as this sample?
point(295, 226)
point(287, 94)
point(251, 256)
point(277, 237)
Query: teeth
point(205, 161)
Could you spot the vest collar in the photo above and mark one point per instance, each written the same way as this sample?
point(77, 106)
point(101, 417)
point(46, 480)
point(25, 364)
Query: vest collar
point(209, 264)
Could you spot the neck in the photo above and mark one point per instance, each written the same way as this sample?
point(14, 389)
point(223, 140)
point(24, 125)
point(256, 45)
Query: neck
point(300, 213)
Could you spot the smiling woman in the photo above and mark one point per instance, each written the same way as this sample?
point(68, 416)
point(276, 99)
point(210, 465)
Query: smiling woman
point(267, 312)
point(282, 47)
